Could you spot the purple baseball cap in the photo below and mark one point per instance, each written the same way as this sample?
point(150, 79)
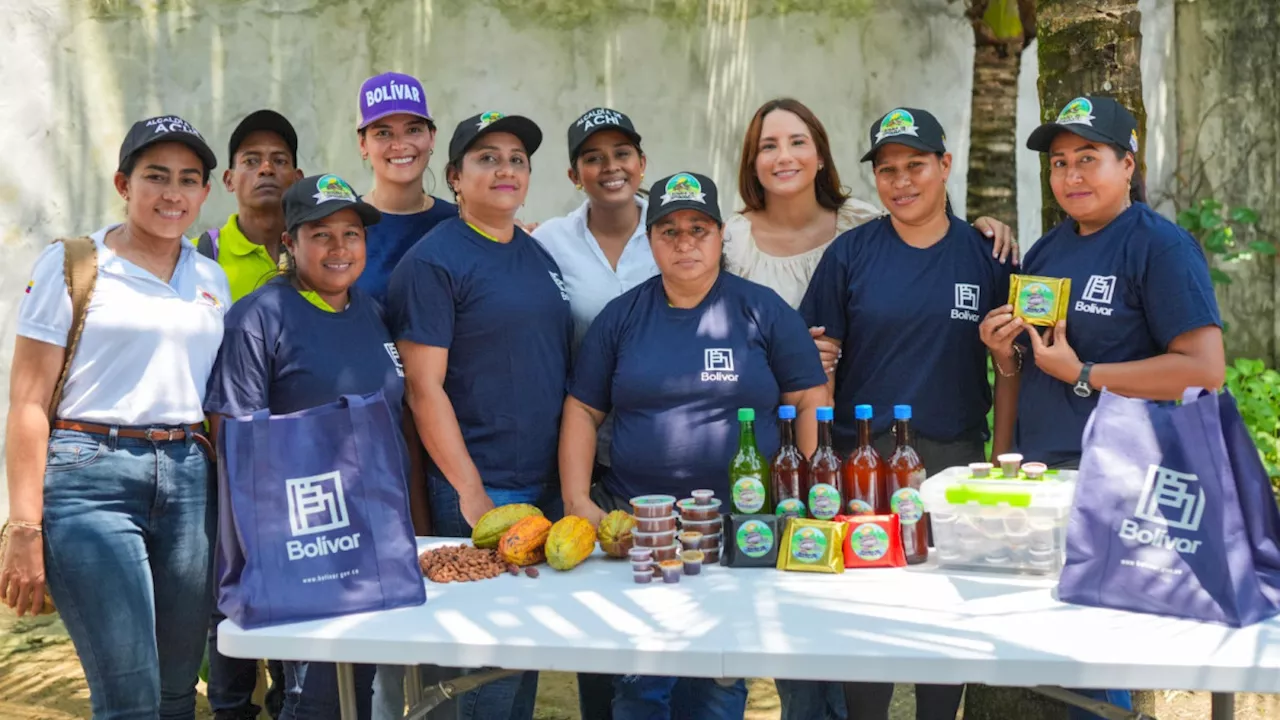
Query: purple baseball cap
point(391, 93)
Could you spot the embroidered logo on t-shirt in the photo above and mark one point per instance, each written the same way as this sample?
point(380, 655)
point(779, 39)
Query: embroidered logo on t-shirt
point(564, 291)
point(394, 352)
point(683, 187)
point(967, 297)
point(332, 187)
point(717, 365)
point(207, 298)
point(1077, 112)
point(1097, 293)
point(897, 122)
point(30, 284)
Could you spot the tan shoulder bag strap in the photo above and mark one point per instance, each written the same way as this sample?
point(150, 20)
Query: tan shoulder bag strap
point(80, 270)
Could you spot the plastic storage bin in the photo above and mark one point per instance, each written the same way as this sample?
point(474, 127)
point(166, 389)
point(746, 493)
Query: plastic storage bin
point(996, 524)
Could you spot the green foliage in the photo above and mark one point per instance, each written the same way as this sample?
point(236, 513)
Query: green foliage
point(1257, 391)
point(1003, 19)
point(1226, 234)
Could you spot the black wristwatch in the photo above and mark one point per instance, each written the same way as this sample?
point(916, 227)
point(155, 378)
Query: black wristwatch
point(1082, 383)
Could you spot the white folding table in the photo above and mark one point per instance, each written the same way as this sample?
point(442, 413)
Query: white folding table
point(908, 625)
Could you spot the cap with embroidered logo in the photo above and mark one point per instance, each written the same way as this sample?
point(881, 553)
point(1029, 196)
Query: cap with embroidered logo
point(165, 128)
point(477, 126)
point(1096, 118)
point(683, 191)
point(320, 196)
point(389, 94)
point(597, 120)
point(912, 127)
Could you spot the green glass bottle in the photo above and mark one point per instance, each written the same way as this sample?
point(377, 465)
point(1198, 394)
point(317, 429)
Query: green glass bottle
point(749, 485)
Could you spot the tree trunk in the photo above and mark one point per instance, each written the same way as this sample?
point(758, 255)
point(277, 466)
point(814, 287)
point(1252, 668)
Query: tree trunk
point(1228, 90)
point(1088, 47)
point(993, 135)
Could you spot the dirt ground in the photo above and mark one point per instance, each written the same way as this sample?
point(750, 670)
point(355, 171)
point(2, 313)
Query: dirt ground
point(40, 679)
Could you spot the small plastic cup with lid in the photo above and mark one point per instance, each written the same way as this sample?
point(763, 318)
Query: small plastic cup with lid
point(691, 511)
point(1034, 470)
point(654, 540)
point(671, 571)
point(663, 554)
point(703, 497)
point(707, 542)
point(1009, 464)
point(711, 556)
point(1042, 559)
point(642, 577)
point(692, 560)
point(641, 554)
point(656, 524)
point(980, 469)
point(705, 527)
point(652, 506)
point(689, 539)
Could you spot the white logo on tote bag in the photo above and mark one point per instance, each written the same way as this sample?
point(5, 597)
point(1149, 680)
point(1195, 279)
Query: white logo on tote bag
point(1172, 500)
point(316, 505)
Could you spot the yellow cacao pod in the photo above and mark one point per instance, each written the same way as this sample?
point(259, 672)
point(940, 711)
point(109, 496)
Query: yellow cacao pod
point(570, 541)
point(525, 542)
point(615, 533)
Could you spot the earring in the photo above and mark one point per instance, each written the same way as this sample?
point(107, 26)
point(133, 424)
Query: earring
point(431, 151)
point(821, 166)
point(578, 187)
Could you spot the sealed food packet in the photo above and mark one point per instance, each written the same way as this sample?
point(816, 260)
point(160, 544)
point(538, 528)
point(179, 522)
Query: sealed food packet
point(873, 541)
point(1040, 300)
point(812, 546)
point(751, 540)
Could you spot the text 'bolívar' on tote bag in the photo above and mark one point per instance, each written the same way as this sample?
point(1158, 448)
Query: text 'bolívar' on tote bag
point(313, 517)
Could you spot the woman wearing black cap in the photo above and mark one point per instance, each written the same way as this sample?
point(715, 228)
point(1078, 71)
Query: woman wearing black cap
point(912, 285)
point(303, 340)
point(109, 484)
point(674, 359)
point(1143, 318)
point(484, 328)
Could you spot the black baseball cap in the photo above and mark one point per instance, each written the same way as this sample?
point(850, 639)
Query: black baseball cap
point(594, 121)
point(912, 127)
point(165, 128)
point(683, 191)
point(1093, 117)
point(320, 196)
point(268, 120)
point(473, 128)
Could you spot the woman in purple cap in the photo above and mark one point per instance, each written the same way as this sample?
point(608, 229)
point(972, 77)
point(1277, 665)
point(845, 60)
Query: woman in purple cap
point(107, 462)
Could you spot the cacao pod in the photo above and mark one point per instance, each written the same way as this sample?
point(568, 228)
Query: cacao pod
point(570, 541)
point(489, 530)
point(615, 533)
point(525, 542)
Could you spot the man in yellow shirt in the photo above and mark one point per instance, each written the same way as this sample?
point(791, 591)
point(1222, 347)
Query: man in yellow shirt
point(263, 164)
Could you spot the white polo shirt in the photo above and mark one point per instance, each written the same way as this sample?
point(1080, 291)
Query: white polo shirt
point(589, 279)
point(148, 346)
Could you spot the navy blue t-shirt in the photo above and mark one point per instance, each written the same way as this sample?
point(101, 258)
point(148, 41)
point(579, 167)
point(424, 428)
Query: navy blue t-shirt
point(907, 319)
point(1136, 285)
point(282, 353)
point(501, 311)
point(390, 238)
point(675, 379)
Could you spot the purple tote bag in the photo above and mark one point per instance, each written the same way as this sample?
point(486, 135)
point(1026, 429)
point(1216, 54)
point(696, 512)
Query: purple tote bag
point(313, 515)
point(1174, 513)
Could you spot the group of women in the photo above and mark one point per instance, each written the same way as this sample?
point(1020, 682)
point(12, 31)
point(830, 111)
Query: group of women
point(603, 356)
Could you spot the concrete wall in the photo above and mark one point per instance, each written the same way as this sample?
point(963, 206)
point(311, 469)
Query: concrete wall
point(76, 73)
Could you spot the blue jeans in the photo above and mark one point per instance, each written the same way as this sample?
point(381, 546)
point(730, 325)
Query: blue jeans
point(128, 529)
point(231, 680)
point(1119, 698)
point(649, 697)
point(512, 697)
point(311, 691)
point(811, 700)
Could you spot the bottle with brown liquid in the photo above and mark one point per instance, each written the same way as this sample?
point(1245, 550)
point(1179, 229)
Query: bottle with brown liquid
point(906, 473)
point(788, 470)
point(862, 478)
point(822, 488)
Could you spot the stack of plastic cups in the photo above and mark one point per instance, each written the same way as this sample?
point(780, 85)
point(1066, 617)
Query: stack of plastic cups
point(701, 526)
point(656, 527)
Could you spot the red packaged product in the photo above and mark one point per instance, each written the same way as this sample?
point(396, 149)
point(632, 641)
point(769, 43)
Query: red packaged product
point(872, 541)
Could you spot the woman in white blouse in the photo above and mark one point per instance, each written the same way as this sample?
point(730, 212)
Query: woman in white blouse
point(794, 209)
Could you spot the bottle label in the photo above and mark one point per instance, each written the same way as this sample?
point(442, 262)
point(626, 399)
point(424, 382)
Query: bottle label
point(824, 501)
point(792, 507)
point(861, 507)
point(755, 539)
point(748, 494)
point(907, 503)
point(869, 541)
point(808, 545)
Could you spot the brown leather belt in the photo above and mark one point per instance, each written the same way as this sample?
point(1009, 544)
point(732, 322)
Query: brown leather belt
point(177, 434)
